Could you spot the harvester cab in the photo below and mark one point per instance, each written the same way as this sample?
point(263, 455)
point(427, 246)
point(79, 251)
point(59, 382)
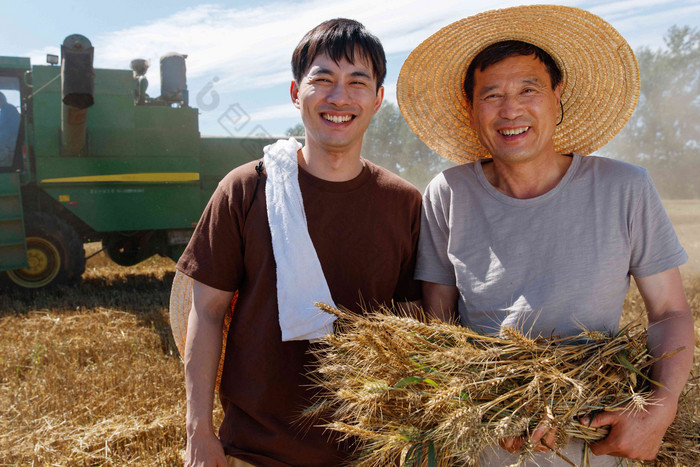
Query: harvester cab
point(12, 91)
point(89, 156)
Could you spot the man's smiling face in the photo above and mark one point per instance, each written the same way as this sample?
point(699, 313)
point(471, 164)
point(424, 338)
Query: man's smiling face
point(337, 101)
point(515, 110)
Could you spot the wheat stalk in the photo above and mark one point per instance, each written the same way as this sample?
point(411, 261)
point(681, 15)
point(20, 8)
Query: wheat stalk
point(432, 393)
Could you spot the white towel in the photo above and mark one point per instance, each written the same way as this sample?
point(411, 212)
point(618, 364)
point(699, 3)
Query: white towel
point(300, 279)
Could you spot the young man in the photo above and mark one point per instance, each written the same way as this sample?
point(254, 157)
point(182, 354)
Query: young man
point(320, 222)
point(531, 234)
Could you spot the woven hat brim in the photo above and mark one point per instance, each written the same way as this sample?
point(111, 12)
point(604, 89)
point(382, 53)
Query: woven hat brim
point(600, 84)
point(179, 312)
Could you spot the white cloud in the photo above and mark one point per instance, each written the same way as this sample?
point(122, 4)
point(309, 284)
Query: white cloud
point(627, 8)
point(646, 22)
point(275, 112)
point(250, 48)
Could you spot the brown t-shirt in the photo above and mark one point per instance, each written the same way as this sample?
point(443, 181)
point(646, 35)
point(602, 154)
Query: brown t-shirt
point(365, 233)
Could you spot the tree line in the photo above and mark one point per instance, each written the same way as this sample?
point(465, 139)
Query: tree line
point(663, 134)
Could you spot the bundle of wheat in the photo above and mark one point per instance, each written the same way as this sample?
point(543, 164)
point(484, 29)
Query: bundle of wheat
point(409, 391)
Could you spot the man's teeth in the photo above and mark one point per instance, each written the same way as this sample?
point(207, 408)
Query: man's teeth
point(337, 118)
point(515, 131)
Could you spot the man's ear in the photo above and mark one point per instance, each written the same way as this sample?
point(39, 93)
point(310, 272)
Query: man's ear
point(557, 92)
point(379, 99)
point(470, 110)
point(557, 96)
point(294, 93)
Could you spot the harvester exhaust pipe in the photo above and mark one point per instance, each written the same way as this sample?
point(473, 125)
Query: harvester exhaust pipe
point(77, 88)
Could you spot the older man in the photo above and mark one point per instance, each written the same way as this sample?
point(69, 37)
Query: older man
point(530, 233)
point(319, 223)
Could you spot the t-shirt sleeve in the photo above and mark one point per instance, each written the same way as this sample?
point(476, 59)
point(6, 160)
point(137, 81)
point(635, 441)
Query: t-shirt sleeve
point(214, 255)
point(433, 263)
point(654, 244)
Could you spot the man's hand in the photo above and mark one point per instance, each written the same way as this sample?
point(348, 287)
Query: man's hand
point(633, 435)
point(542, 439)
point(204, 451)
point(543, 443)
point(513, 444)
point(639, 435)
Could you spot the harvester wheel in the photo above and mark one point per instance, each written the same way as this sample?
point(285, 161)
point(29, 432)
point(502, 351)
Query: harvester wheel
point(54, 251)
point(126, 250)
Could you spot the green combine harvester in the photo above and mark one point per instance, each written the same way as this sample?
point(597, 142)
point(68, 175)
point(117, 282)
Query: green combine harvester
point(89, 156)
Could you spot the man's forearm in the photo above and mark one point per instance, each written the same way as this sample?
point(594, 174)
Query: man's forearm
point(670, 328)
point(673, 330)
point(202, 352)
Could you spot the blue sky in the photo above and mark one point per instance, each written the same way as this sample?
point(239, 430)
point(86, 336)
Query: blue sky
point(239, 51)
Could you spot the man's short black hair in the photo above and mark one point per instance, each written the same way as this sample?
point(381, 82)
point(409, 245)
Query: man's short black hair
point(3, 99)
point(339, 38)
point(499, 51)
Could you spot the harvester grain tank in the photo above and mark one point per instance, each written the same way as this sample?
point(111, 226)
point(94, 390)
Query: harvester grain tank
point(95, 158)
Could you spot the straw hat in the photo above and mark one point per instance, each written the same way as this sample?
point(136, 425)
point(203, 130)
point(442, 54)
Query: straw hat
point(600, 85)
point(180, 305)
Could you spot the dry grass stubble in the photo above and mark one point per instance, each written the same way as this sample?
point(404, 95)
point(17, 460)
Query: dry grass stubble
point(89, 375)
point(87, 388)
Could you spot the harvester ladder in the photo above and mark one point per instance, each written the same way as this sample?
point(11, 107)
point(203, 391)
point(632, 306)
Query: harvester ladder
point(13, 246)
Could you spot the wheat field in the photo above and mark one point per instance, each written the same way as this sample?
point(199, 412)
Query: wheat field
point(89, 375)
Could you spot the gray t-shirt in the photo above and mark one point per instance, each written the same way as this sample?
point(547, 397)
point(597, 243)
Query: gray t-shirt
point(552, 263)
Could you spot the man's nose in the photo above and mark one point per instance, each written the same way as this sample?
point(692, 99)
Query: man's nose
point(339, 95)
point(511, 107)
